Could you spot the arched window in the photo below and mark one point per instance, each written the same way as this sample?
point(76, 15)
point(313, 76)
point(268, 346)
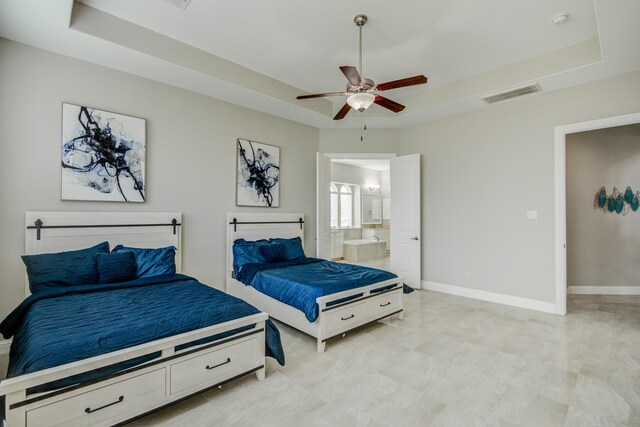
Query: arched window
point(341, 205)
point(346, 206)
point(334, 206)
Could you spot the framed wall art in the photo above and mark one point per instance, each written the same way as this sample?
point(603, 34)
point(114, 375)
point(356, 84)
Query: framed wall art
point(257, 174)
point(102, 155)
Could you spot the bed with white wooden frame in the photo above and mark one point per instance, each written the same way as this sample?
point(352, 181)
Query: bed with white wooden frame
point(333, 320)
point(176, 375)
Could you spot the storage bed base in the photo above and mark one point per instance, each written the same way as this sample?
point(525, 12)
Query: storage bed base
point(332, 320)
point(143, 389)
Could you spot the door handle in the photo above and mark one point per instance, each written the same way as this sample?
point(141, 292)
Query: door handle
point(414, 238)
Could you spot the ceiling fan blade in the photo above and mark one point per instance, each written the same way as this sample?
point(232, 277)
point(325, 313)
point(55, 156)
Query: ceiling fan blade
point(388, 104)
point(320, 95)
point(343, 112)
point(409, 81)
point(352, 74)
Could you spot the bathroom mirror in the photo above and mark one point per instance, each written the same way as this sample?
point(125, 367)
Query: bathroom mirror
point(371, 208)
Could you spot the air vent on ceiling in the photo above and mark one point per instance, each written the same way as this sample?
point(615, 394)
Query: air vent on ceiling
point(182, 4)
point(514, 93)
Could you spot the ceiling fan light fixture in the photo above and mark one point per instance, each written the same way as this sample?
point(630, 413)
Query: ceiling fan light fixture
point(361, 101)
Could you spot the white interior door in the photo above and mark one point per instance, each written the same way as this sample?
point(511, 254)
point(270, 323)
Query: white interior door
point(323, 220)
point(406, 239)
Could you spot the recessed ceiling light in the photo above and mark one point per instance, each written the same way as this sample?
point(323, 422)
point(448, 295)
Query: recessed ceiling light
point(560, 19)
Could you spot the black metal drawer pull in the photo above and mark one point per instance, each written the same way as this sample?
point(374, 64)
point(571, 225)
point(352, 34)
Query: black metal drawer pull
point(384, 305)
point(347, 318)
point(89, 410)
point(219, 364)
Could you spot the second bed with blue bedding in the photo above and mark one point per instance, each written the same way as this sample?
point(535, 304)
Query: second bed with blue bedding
point(298, 282)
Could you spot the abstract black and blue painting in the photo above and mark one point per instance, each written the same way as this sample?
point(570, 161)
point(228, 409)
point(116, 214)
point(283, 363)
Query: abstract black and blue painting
point(103, 155)
point(258, 174)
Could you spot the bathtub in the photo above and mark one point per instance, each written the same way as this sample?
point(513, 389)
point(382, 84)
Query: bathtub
point(364, 249)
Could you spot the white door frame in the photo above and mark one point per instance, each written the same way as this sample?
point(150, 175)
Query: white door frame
point(561, 193)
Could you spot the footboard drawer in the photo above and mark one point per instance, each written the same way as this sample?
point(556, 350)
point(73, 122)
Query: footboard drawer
point(343, 319)
point(384, 304)
point(105, 405)
point(215, 365)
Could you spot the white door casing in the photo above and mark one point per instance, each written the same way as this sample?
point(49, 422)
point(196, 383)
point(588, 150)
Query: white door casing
point(406, 239)
point(323, 179)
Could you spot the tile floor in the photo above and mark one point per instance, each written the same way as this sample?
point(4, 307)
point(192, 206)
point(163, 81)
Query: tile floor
point(452, 361)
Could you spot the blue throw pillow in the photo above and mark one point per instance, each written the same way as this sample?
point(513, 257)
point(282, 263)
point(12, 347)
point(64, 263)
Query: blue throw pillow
point(117, 267)
point(152, 262)
point(293, 247)
point(64, 268)
point(275, 252)
point(247, 252)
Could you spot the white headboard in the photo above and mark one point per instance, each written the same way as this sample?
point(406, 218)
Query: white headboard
point(67, 231)
point(257, 225)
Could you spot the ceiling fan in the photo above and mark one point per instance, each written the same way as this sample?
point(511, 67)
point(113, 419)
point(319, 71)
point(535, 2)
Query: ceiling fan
point(362, 92)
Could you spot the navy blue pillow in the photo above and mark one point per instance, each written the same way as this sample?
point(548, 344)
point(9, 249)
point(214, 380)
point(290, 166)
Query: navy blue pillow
point(152, 262)
point(275, 252)
point(247, 252)
point(64, 268)
point(293, 247)
point(117, 267)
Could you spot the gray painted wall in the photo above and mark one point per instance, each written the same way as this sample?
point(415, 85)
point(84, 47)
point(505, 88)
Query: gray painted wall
point(481, 172)
point(603, 249)
point(190, 156)
point(354, 175)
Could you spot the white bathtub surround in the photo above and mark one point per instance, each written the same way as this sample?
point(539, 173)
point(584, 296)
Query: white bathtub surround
point(382, 233)
point(364, 249)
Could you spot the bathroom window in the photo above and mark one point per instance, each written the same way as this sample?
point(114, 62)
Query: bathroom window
point(341, 205)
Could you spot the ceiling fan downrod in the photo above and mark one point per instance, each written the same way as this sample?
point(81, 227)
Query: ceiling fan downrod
point(360, 20)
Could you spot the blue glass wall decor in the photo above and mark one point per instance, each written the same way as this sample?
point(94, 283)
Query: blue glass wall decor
point(616, 201)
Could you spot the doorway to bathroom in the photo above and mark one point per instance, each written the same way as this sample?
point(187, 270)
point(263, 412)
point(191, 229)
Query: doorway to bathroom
point(360, 212)
point(404, 211)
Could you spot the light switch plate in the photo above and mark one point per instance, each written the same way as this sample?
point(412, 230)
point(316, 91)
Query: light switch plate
point(532, 214)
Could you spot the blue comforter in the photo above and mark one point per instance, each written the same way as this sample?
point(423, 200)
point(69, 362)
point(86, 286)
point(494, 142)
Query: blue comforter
point(65, 324)
point(299, 282)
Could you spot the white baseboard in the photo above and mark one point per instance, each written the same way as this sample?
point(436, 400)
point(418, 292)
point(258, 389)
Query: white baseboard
point(604, 290)
point(5, 345)
point(547, 307)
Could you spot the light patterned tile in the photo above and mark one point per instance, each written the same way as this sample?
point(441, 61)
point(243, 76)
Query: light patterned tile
point(451, 362)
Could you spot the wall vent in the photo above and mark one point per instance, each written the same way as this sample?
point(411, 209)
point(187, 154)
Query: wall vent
point(514, 93)
point(182, 4)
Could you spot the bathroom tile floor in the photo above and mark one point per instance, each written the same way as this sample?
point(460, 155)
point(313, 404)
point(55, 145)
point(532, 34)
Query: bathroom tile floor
point(452, 361)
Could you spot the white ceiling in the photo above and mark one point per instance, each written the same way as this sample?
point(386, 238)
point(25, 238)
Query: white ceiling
point(303, 43)
point(260, 54)
point(380, 165)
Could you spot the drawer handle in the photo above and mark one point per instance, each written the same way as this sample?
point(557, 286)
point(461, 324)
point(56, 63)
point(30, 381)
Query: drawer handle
point(384, 305)
point(347, 318)
point(219, 364)
point(89, 410)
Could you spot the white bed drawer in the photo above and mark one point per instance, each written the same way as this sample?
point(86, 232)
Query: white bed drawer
point(382, 305)
point(216, 365)
point(342, 319)
point(105, 405)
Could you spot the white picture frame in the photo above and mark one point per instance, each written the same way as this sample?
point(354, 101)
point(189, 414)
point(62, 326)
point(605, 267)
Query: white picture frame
point(103, 155)
point(257, 174)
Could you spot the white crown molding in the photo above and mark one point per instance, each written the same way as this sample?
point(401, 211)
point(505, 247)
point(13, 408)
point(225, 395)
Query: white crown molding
point(547, 307)
point(604, 290)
